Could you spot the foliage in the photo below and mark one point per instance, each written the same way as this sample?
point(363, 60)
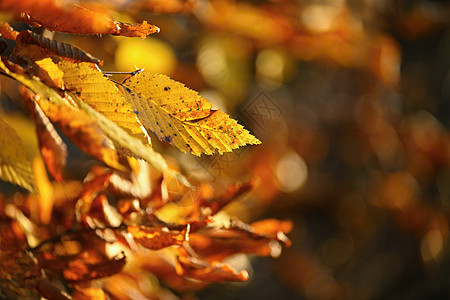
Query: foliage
point(77, 239)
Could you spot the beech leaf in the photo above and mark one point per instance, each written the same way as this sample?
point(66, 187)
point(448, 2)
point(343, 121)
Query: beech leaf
point(179, 116)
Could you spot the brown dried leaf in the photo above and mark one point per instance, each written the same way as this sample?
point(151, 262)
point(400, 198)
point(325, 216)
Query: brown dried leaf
point(7, 31)
point(67, 51)
point(156, 238)
point(200, 269)
point(82, 292)
point(51, 291)
point(92, 265)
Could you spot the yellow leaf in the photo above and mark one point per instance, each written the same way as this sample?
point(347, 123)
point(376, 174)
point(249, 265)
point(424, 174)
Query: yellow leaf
point(179, 116)
point(102, 94)
point(14, 164)
point(52, 70)
point(128, 144)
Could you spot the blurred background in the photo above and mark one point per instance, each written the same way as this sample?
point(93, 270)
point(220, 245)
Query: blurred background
point(351, 100)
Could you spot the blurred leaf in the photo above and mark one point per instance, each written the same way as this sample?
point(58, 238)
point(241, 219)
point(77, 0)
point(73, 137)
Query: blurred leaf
point(7, 31)
point(14, 164)
point(196, 268)
point(156, 238)
point(92, 265)
point(68, 16)
point(179, 116)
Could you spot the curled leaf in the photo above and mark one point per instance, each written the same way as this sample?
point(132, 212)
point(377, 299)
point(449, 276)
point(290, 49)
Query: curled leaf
point(197, 268)
point(54, 47)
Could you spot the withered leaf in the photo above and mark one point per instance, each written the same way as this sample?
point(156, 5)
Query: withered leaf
point(53, 149)
point(7, 31)
point(92, 265)
point(156, 238)
point(197, 268)
point(51, 291)
point(53, 47)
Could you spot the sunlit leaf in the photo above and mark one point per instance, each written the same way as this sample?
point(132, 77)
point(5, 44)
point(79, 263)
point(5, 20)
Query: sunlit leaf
point(14, 164)
point(181, 117)
point(102, 94)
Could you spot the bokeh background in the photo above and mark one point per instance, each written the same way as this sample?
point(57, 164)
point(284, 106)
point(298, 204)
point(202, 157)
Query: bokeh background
point(351, 100)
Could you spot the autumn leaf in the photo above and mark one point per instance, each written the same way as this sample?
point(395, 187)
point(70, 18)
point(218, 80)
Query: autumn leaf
point(67, 16)
point(197, 268)
point(130, 145)
point(156, 238)
point(34, 45)
point(102, 94)
point(82, 131)
point(14, 164)
point(7, 31)
point(92, 265)
point(179, 116)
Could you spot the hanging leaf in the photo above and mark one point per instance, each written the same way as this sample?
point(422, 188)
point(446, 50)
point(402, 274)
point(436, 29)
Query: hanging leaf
point(179, 116)
point(128, 144)
point(67, 16)
point(102, 94)
point(52, 47)
point(82, 131)
point(53, 149)
point(14, 164)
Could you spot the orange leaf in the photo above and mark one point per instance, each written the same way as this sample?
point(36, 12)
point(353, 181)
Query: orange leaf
point(82, 131)
point(69, 17)
point(200, 269)
point(92, 265)
point(7, 31)
point(53, 149)
point(156, 238)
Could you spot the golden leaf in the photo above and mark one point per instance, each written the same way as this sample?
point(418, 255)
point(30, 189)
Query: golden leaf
point(14, 164)
point(102, 94)
point(179, 116)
